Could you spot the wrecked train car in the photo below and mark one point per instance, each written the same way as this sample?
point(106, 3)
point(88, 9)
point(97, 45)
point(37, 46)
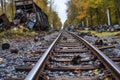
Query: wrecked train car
point(4, 22)
point(28, 13)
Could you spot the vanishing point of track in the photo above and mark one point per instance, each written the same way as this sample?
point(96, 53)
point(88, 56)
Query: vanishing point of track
point(70, 57)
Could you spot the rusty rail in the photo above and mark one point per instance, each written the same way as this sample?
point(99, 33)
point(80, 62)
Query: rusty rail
point(37, 69)
point(106, 61)
point(35, 72)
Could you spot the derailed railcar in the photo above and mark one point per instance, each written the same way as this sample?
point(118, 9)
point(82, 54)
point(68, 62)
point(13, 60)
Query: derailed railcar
point(28, 13)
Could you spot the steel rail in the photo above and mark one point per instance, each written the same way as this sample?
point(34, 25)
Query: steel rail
point(105, 60)
point(36, 70)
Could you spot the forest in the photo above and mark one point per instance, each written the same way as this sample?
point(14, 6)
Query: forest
point(93, 12)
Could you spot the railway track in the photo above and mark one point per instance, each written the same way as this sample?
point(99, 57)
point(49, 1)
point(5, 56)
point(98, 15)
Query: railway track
point(113, 54)
point(18, 67)
point(109, 46)
point(72, 58)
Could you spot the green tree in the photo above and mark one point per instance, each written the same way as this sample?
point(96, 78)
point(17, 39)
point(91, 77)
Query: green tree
point(71, 13)
point(56, 21)
point(93, 12)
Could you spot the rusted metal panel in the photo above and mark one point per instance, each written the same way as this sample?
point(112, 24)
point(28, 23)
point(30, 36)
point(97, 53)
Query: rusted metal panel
point(20, 3)
point(4, 22)
point(23, 4)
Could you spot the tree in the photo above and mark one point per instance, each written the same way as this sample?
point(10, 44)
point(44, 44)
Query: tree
point(93, 12)
point(11, 9)
point(4, 6)
point(71, 13)
point(56, 21)
point(117, 5)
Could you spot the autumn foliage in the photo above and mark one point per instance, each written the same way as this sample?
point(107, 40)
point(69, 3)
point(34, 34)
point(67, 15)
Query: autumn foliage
point(92, 12)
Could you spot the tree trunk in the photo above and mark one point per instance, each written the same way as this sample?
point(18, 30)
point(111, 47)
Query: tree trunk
point(97, 14)
point(117, 3)
point(118, 13)
point(108, 16)
point(12, 6)
point(2, 5)
point(91, 16)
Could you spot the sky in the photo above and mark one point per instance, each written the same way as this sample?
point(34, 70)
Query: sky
point(60, 7)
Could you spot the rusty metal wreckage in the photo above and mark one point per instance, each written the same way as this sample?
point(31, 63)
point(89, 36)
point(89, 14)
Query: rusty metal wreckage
point(28, 14)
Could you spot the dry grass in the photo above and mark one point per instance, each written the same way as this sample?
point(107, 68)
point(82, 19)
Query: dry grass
point(20, 32)
point(103, 34)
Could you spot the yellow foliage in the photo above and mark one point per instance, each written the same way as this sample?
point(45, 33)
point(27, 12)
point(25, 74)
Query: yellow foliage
point(107, 78)
point(96, 3)
point(41, 4)
point(96, 71)
point(82, 6)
